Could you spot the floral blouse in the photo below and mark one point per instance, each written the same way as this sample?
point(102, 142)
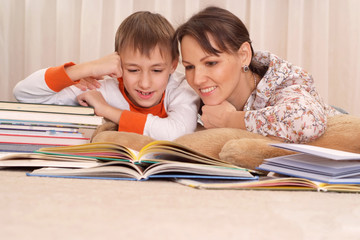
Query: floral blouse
point(285, 103)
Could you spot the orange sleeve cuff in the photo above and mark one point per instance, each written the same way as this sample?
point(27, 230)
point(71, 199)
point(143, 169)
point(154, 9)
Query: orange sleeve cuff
point(132, 122)
point(57, 79)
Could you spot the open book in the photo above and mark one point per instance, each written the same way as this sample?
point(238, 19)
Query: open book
point(37, 160)
point(159, 159)
point(316, 163)
point(270, 183)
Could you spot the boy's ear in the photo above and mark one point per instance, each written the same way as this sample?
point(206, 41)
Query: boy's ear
point(174, 65)
point(245, 54)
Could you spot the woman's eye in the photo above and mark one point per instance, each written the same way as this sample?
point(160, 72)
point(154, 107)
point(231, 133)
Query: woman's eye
point(158, 70)
point(211, 63)
point(133, 70)
point(189, 67)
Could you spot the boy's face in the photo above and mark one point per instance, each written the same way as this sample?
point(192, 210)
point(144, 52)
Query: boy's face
point(145, 78)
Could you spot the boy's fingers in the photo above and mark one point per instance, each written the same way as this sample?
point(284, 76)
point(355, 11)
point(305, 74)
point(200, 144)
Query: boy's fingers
point(88, 83)
point(81, 100)
point(94, 82)
point(116, 75)
point(80, 86)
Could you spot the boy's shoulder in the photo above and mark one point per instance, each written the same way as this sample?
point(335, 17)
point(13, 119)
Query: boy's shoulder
point(176, 80)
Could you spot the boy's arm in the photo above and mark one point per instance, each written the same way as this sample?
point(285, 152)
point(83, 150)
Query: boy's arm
point(44, 86)
point(102, 108)
point(39, 87)
point(109, 65)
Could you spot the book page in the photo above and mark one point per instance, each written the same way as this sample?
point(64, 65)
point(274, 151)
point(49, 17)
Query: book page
point(114, 169)
point(170, 151)
point(100, 150)
point(176, 168)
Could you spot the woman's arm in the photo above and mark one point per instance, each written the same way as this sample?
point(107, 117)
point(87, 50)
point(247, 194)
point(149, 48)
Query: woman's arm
point(295, 116)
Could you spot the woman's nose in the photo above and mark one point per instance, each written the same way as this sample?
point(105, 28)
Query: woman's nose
point(199, 76)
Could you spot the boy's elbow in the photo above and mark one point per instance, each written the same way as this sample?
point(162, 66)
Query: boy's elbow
point(169, 130)
point(17, 92)
point(179, 129)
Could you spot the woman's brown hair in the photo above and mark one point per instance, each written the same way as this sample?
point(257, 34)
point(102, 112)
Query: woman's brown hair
point(144, 30)
point(227, 30)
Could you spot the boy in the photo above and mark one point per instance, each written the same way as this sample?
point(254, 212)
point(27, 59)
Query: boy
point(138, 89)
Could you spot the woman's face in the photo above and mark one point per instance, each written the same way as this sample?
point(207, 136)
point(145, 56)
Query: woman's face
point(214, 78)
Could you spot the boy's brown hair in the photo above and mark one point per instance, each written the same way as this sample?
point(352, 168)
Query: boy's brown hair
point(143, 31)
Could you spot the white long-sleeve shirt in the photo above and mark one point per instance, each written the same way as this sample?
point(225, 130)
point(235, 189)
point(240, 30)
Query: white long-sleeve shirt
point(174, 116)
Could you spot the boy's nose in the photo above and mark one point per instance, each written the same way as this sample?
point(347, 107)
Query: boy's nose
point(145, 81)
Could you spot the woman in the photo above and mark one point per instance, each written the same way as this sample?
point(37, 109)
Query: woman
point(240, 88)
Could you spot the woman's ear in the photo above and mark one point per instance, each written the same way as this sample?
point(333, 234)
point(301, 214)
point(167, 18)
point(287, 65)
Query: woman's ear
point(245, 54)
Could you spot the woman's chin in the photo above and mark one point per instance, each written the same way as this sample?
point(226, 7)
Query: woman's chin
point(210, 102)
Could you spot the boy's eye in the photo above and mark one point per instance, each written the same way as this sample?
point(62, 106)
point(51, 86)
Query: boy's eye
point(133, 70)
point(158, 70)
point(189, 67)
point(213, 63)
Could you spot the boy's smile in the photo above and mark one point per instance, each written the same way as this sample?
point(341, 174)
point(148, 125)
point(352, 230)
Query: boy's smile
point(146, 77)
point(145, 95)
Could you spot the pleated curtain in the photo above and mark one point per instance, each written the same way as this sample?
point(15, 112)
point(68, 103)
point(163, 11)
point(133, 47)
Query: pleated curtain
point(322, 36)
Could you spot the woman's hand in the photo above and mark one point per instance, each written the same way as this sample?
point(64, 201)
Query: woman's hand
point(218, 115)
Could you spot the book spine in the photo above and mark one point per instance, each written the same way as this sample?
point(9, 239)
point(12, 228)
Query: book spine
point(51, 117)
point(46, 108)
point(16, 139)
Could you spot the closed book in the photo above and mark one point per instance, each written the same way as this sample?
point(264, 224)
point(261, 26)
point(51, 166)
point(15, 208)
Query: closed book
point(49, 108)
point(15, 126)
point(51, 117)
point(316, 164)
point(47, 140)
point(23, 147)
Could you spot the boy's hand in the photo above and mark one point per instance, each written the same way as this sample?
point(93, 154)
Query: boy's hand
point(94, 99)
point(109, 65)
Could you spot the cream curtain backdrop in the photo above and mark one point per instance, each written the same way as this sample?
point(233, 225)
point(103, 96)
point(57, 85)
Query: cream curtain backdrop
point(322, 36)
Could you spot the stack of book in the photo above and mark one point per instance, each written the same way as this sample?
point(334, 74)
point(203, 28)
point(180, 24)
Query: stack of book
point(312, 168)
point(25, 127)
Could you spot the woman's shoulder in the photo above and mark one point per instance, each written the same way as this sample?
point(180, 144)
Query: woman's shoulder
point(269, 59)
